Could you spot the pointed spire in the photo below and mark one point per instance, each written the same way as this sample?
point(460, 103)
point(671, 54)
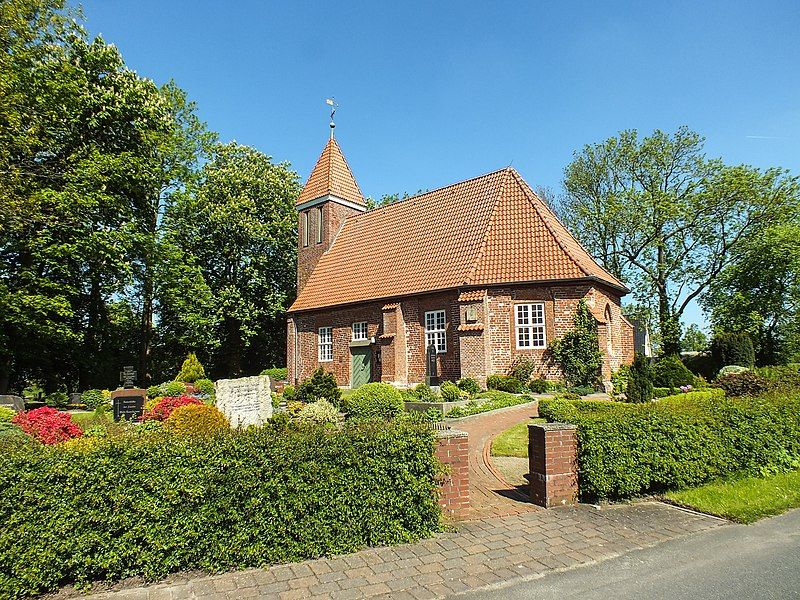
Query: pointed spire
point(331, 177)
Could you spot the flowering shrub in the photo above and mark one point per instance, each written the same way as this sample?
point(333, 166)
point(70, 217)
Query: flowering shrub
point(48, 425)
point(686, 388)
point(196, 420)
point(163, 409)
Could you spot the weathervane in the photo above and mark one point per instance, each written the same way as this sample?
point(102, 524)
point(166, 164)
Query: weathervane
point(332, 103)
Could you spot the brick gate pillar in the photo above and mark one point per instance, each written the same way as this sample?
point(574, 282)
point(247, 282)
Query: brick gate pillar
point(452, 450)
point(553, 464)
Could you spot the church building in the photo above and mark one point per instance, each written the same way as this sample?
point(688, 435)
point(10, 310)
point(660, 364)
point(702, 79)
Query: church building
point(481, 269)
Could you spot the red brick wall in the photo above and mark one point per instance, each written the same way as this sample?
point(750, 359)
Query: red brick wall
point(333, 215)
point(553, 464)
point(414, 309)
point(452, 450)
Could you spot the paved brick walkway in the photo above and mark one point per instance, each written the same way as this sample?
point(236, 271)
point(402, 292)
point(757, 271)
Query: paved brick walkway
point(490, 494)
point(477, 555)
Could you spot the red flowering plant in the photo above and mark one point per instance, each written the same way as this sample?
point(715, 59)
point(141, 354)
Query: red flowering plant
point(164, 408)
point(48, 425)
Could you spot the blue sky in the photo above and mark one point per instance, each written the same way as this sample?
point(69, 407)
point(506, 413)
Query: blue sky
point(431, 93)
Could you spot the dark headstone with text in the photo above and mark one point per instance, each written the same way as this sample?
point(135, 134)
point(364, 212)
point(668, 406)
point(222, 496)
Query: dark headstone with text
point(431, 368)
point(128, 404)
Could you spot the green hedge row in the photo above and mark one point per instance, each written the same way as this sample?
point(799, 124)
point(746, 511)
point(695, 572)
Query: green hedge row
point(150, 504)
point(679, 441)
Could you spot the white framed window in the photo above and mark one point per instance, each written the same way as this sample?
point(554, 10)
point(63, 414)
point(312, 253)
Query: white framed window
point(319, 225)
point(325, 344)
point(360, 331)
point(529, 321)
point(435, 334)
point(305, 228)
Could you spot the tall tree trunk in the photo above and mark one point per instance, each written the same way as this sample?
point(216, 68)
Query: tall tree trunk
point(86, 377)
point(5, 372)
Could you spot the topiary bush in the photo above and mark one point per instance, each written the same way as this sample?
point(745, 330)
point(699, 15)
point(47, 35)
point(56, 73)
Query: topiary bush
point(191, 370)
point(640, 380)
point(504, 383)
point(163, 409)
point(321, 385)
point(196, 420)
point(47, 425)
point(746, 383)
point(732, 349)
point(275, 494)
point(451, 392)
point(374, 401)
point(276, 373)
point(670, 372)
point(469, 385)
point(319, 412)
point(679, 441)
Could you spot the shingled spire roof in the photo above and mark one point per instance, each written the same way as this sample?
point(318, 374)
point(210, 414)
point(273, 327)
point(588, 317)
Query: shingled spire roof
point(490, 230)
point(331, 177)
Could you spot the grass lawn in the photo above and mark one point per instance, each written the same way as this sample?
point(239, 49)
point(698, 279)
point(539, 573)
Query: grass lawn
point(514, 440)
point(744, 500)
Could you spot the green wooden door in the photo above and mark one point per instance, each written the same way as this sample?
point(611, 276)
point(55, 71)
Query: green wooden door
point(362, 366)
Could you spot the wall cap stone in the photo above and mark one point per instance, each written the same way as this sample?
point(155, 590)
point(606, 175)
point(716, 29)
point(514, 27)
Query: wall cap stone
point(553, 426)
point(451, 433)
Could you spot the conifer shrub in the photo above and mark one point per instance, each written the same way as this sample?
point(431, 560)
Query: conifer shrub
point(577, 352)
point(640, 380)
point(374, 401)
point(321, 385)
point(173, 389)
point(670, 372)
point(746, 383)
point(196, 420)
point(191, 370)
point(274, 494)
point(205, 387)
point(732, 349)
point(94, 398)
point(7, 414)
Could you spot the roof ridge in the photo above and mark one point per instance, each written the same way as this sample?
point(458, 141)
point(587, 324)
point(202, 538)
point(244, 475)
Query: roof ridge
point(492, 213)
point(539, 205)
point(425, 193)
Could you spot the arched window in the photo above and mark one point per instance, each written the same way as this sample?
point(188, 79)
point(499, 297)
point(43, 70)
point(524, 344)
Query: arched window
point(609, 332)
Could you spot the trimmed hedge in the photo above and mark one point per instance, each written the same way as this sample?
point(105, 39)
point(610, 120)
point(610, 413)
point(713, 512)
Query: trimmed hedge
point(374, 401)
point(679, 441)
point(154, 503)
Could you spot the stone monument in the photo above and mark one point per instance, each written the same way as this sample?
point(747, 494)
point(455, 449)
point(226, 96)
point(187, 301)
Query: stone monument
point(431, 368)
point(245, 401)
point(128, 402)
point(16, 403)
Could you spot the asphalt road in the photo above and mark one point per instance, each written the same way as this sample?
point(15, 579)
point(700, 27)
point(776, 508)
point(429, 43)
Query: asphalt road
point(735, 561)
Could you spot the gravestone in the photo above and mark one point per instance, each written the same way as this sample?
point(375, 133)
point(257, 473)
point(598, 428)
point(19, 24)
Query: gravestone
point(431, 368)
point(128, 403)
point(245, 401)
point(16, 403)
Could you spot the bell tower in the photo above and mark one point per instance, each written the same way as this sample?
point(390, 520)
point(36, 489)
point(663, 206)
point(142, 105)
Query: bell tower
point(330, 195)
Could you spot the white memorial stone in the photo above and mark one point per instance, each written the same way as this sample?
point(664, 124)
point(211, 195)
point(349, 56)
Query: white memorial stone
point(245, 401)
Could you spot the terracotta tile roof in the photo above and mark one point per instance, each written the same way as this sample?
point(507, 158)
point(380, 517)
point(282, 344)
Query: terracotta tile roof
point(331, 175)
point(471, 327)
point(390, 306)
point(484, 231)
point(471, 295)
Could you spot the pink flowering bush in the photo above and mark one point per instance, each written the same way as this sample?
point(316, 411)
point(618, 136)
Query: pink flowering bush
point(163, 409)
point(48, 425)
